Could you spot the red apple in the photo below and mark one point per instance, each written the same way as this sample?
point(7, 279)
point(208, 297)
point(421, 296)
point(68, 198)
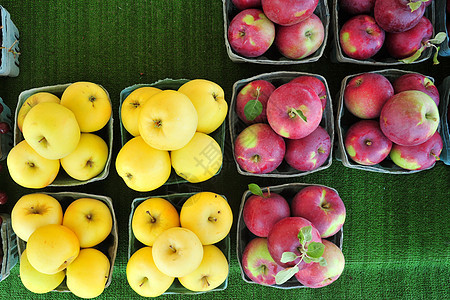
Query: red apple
point(316, 84)
point(247, 107)
point(315, 275)
point(3, 198)
point(418, 82)
point(294, 110)
point(360, 37)
point(418, 157)
point(244, 4)
point(357, 7)
point(365, 95)
point(288, 12)
point(258, 149)
point(409, 118)
point(310, 152)
point(300, 40)
point(366, 144)
point(397, 15)
point(250, 33)
point(4, 127)
point(257, 263)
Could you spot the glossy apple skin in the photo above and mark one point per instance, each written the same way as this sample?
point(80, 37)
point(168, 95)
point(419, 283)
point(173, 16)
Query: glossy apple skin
point(315, 276)
point(284, 238)
point(310, 152)
point(365, 95)
point(409, 118)
point(288, 12)
point(316, 84)
point(360, 37)
point(366, 144)
point(250, 33)
point(250, 92)
point(418, 157)
point(289, 97)
point(258, 149)
point(322, 206)
point(257, 263)
point(244, 4)
point(261, 213)
point(357, 7)
point(300, 40)
point(404, 44)
point(396, 16)
point(416, 82)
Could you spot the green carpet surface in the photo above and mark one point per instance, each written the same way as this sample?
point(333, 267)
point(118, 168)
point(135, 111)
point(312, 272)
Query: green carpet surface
point(396, 236)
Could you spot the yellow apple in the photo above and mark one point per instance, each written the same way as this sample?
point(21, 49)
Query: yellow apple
point(211, 273)
point(199, 160)
point(90, 103)
point(88, 159)
point(152, 217)
point(33, 211)
point(28, 169)
point(35, 281)
point(142, 167)
point(208, 215)
point(88, 273)
point(30, 102)
point(131, 107)
point(209, 101)
point(51, 130)
point(168, 120)
point(144, 277)
point(51, 248)
point(90, 219)
point(177, 252)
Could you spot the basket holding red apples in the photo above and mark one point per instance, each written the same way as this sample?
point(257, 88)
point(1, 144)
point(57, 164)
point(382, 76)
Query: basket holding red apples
point(273, 32)
point(290, 235)
point(388, 121)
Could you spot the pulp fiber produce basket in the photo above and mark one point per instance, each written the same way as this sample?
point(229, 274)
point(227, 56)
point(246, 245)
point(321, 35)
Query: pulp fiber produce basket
point(106, 133)
point(272, 55)
point(236, 125)
point(177, 200)
point(344, 119)
point(244, 236)
point(444, 106)
point(9, 252)
point(5, 138)
point(382, 58)
point(441, 25)
point(107, 247)
point(167, 84)
point(9, 41)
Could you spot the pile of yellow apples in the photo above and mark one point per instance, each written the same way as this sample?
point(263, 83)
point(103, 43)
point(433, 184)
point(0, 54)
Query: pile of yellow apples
point(61, 132)
point(170, 129)
point(59, 245)
point(179, 245)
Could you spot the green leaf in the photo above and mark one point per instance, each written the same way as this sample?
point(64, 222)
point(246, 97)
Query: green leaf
point(301, 115)
point(255, 189)
point(307, 259)
point(253, 109)
point(315, 250)
point(438, 38)
point(413, 57)
point(415, 5)
point(288, 257)
point(285, 275)
point(435, 57)
point(304, 235)
point(323, 261)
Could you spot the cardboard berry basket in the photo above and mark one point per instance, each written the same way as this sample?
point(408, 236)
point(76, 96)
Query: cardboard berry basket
point(5, 138)
point(272, 55)
point(344, 119)
point(106, 133)
point(107, 247)
point(236, 125)
point(168, 84)
point(441, 26)
point(244, 236)
point(444, 106)
point(177, 200)
point(9, 57)
point(9, 251)
point(382, 58)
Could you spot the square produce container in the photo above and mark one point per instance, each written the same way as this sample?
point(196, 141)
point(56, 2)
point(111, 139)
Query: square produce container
point(9, 252)
point(177, 200)
point(167, 84)
point(244, 236)
point(345, 119)
point(106, 133)
point(444, 106)
point(382, 58)
point(236, 125)
point(441, 25)
point(107, 247)
point(9, 40)
point(272, 55)
point(5, 138)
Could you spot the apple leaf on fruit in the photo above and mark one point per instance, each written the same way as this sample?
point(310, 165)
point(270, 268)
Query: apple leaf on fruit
point(288, 257)
point(414, 57)
point(307, 260)
point(416, 4)
point(322, 262)
point(315, 250)
point(299, 113)
point(255, 189)
point(435, 56)
point(253, 109)
point(438, 38)
point(285, 274)
point(305, 235)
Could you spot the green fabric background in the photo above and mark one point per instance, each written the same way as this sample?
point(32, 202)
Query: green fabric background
point(396, 236)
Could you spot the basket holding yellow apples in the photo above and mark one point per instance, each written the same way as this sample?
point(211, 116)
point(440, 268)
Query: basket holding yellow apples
point(63, 135)
point(169, 124)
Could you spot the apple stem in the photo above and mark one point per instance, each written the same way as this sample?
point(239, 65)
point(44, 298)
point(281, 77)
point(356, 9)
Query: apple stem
point(157, 123)
point(368, 143)
point(268, 192)
point(30, 164)
point(89, 163)
point(92, 98)
point(212, 219)
point(321, 150)
point(215, 96)
point(129, 176)
point(152, 218)
point(326, 205)
point(205, 281)
point(135, 104)
point(435, 156)
point(255, 158)
point(143, 281)
point(172, 248)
